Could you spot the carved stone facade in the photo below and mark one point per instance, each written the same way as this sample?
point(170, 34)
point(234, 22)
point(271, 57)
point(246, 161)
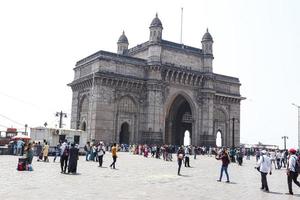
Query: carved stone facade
point(154, 92)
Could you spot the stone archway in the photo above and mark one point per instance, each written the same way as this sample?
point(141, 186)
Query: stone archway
point(178, 120)
point(124, 134)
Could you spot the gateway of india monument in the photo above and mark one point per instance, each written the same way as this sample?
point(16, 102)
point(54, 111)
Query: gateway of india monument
point(154, 92)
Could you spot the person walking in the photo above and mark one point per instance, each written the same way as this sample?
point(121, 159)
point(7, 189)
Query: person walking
point(225, 162)
point(180, 156)
point(100, 153)
point(87, 149)
point(265, 166)
point(292, 173)
point(64, 156)
point(57, 152)
point(114, 156)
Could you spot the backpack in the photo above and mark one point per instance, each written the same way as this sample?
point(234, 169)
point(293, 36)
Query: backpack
point(66, 151)
point(297, 165)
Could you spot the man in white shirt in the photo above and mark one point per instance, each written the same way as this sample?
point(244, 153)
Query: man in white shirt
point(292, 174)
point(273, 155)
point(100, 152)
point(265, 167)
point(187, 156)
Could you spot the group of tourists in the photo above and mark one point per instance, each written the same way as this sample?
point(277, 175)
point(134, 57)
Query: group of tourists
point(264, 166)
point(96, 152)
point(69, 155)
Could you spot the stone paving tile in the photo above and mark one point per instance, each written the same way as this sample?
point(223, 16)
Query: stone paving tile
point(139, 178)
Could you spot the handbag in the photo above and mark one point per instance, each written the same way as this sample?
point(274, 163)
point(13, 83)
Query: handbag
point(180, 156)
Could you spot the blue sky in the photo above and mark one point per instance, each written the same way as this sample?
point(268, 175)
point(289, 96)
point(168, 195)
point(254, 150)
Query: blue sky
point(257, 41)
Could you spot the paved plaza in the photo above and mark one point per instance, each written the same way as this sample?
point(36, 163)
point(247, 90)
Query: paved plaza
point(139, 178)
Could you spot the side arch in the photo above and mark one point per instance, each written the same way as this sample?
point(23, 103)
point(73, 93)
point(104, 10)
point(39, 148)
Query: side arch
point(126, 127)
point(221, 124)
point(83, 111)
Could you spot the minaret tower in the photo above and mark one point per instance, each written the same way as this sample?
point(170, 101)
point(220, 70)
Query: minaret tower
point(123, 44)
point(155, 30)
point(207, 43)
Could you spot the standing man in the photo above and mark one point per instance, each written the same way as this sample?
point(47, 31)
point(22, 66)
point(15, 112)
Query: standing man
point(187, 157)
point(114, 155)
point(292, 173)
point(64, 155)
point(20, 145)
point(100, 152)
point(265, 167)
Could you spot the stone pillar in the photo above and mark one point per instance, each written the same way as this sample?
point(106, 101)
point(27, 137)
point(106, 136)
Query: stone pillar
point(154, 113)
point(207, 137)
point(75, 110)
point(235, 113)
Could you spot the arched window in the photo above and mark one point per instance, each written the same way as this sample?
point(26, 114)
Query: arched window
point(126, 104)
point(84, 107)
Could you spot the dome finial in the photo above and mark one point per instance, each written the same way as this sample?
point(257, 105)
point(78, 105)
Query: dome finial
point(156, 22)
point(207, 36)
point(123, 38)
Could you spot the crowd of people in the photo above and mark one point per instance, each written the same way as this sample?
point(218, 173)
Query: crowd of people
point(265, 160)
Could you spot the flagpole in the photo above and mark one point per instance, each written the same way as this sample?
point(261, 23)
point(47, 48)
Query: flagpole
point(181, 25)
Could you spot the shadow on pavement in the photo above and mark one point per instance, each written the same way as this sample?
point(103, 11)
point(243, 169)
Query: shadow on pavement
point(278, 193)
point(184, 175)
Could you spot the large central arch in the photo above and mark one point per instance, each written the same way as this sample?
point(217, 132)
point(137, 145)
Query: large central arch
point(179, 118)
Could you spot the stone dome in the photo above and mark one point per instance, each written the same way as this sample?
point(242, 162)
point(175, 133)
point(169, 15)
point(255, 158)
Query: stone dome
point(156, 22)
point(123, 39)
point(207, 36)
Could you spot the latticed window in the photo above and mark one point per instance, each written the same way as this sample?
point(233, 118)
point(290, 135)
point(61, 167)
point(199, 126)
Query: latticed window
point(219, 115)
point(126, 105)
point(187, 117)
point(84, 105)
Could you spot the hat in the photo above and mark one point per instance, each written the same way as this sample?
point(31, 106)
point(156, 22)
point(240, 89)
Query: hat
point(292, 150)
point(263, 151)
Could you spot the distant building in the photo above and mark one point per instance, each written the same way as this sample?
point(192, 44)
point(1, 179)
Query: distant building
point(56, 135)
point(261, 146)
point(11, 132)
point(154, 92)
